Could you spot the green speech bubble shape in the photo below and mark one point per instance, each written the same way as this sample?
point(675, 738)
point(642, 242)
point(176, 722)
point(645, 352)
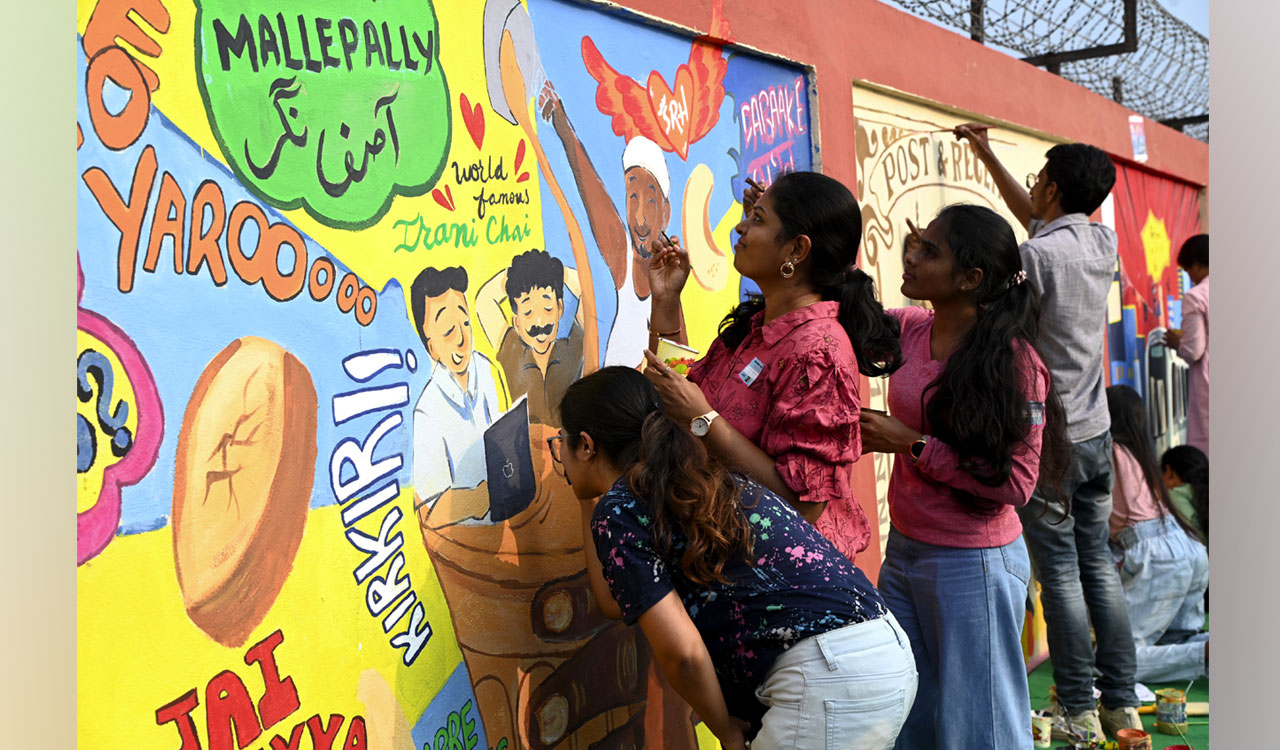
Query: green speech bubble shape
point(334, 107)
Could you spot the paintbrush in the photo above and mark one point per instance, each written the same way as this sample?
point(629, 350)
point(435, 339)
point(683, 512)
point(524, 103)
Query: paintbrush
point(975, 128)
point(754, 184)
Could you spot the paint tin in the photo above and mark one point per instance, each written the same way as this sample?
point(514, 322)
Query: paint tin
point(1133, 739)
point(1171, 711)
point(1041, 729)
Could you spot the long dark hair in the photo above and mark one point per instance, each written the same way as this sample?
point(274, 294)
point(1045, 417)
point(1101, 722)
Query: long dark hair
point(665, 464)
point(826, 212)
point(1192, 467)
point(1129, 428)
point(978, 405)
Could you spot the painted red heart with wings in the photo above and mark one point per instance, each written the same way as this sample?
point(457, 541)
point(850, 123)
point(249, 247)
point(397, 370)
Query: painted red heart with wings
point(673, 116)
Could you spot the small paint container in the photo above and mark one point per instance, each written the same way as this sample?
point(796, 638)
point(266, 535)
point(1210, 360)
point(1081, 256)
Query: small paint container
point(1041, 729)
point(1133, 739)
point(1171, 711)
point(676, 356)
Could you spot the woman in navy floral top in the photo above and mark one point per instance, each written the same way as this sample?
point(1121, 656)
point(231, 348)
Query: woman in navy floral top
point(755, 618)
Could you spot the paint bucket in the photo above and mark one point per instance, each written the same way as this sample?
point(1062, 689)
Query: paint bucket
point(1041, 729)
point(1133, 739)
point(1171, 711)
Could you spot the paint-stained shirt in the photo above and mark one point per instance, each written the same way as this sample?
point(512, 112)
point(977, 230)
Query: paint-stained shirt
point(1071, 261)
point(791, 387)
point(796, 585)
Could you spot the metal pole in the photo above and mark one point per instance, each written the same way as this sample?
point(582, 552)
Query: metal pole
point(977, 21)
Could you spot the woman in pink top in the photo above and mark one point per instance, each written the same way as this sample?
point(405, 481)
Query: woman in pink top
point(976, 426)
point(1164, 567)
point(777, 393)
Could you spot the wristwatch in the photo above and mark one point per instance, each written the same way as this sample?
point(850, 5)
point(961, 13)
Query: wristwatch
point(917, 448)
point(700, 426)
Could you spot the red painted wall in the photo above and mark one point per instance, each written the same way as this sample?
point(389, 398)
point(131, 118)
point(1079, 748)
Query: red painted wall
point(848, 40)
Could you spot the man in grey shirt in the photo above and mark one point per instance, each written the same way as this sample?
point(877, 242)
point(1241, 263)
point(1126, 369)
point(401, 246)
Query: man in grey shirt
point(1071, 261)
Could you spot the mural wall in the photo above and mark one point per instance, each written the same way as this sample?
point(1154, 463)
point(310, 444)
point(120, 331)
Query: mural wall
point(338, 262)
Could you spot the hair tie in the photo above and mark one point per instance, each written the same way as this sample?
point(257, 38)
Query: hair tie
point(1017, 279)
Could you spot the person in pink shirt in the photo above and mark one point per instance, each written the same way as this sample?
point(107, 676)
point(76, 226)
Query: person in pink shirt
point(777, 393)
point(975, 426)
point(1164, 566)
point(1192, 342)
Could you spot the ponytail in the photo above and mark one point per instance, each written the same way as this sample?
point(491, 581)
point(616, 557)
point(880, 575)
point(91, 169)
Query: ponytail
point(666, 465)
point(698, 495)
point(873, 332)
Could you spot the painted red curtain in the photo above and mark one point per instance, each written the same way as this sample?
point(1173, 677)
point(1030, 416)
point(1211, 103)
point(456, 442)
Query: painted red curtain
point(1154, 216)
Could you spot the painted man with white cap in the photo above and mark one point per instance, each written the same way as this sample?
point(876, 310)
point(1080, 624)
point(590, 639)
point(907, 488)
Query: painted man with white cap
point(626, 247)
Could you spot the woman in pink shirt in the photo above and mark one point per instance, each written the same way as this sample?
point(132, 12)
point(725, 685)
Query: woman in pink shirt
point(1164, 566)
point(777, 393)
point(975, 425)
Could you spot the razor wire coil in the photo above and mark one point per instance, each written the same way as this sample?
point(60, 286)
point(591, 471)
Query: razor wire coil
point(1166, 78)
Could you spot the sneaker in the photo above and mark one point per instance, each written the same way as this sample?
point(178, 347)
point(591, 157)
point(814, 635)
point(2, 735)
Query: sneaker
point(1115, 719)
point(1082, 726)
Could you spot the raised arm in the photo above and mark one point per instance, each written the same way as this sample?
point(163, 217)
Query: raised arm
point(668, 271)
point(606, 225)
point(1011, 189)
point(575, 288)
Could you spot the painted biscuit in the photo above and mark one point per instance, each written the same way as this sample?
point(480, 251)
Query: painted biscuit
point(243, 474)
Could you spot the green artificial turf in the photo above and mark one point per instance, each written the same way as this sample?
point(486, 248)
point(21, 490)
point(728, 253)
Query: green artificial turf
point(1197, 731)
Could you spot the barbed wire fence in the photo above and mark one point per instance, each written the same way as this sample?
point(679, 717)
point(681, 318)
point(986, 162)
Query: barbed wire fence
point(1132, 51)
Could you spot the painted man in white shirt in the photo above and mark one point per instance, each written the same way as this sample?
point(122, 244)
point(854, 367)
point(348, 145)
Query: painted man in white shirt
point(626, 247)
point(460, 399)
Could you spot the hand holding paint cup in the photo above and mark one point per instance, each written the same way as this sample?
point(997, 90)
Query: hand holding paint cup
point(676, 356)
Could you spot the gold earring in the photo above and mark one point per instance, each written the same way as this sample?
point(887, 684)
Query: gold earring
point(788, 270)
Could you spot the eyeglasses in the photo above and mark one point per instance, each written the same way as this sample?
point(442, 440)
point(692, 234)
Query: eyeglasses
point(553, 445)
point(1032, 179)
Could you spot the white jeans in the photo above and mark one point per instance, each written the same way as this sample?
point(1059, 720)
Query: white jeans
point(848, 688)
